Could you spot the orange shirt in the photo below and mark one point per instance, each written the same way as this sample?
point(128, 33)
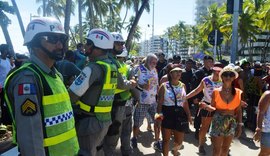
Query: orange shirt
point(221, 105)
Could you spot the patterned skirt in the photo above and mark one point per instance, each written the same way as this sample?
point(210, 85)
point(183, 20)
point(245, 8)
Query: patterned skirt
point(223, 125)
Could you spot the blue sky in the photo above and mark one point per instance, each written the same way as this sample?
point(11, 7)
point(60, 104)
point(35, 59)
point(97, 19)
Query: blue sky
point(167, 13)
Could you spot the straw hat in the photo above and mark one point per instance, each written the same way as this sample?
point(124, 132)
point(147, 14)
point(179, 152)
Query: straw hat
point(238, 69)
point(229, 68)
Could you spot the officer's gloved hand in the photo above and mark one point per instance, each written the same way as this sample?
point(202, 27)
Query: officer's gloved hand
point(114, 128)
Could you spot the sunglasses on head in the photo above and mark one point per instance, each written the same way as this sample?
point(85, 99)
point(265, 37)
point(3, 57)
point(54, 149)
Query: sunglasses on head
point(228, 74)
point(53, 39)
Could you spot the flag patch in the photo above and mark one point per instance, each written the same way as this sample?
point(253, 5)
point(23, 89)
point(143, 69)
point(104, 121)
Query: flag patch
point(27, 89)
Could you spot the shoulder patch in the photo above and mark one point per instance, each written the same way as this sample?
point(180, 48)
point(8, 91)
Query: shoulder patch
point(26, 89)
point(79, 80)
point(28, 108)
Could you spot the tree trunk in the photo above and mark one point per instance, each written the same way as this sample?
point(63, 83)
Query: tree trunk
point(7, 37)
point(18, 16)
point(67, 19)
point(44, 8)
point(80, 19)
point(91, 15)
point(134, 25)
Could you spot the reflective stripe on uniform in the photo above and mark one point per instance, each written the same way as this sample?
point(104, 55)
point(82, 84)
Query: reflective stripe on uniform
point(60, 138)
point(54, 120)
point(52, 99)
point(110, 86)
point(97, 109)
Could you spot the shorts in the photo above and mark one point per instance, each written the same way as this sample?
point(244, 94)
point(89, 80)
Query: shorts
point(175, 118)
point(223, 125)
point(205, 113)
point(265, 139)
point(140, 113)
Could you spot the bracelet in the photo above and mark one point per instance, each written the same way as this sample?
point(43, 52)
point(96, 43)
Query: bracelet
point(241, 124)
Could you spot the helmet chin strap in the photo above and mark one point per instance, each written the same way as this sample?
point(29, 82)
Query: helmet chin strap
point(52, 55)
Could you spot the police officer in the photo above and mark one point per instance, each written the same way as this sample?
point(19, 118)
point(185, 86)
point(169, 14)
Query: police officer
point(120, 98)
point(37, 97)
point(93, 92)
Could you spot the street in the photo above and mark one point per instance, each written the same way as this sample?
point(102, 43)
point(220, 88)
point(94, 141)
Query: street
point(240, 147)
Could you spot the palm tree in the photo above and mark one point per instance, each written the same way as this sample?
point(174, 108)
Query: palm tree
point(264, 24)
point(144, 5)
point(18, 16)
point(94, 9)
point(54, 8)
point(80, 19)
point(212, 21)
point(5, 21)
point(67, 19)
point(127, 4)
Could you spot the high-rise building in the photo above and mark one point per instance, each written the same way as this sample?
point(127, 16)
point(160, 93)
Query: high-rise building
point(202, 5)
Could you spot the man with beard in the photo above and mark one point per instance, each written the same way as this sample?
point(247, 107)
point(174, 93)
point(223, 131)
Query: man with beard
point(148, 81)
point(37, 97)
point(121, 96)
point(93, 92)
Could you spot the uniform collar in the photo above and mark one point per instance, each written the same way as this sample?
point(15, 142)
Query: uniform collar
point(42, 66)
point(102, 57)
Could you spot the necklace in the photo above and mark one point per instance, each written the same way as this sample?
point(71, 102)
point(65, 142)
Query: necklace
point(227, 90)
point(227, 95)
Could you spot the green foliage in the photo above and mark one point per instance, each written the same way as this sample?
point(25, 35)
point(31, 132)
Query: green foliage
point(4, 9)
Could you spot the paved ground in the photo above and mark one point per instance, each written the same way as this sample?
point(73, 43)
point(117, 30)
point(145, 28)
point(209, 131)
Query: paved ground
point(240, 147)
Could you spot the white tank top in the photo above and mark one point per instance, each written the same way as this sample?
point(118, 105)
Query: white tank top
point(266, 121)
point(151, 77)
point(209, 86)
point(169, 96)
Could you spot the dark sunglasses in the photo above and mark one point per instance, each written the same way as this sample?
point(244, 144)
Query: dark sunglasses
point(228, 74)
point(53, 39)
point(119, 43)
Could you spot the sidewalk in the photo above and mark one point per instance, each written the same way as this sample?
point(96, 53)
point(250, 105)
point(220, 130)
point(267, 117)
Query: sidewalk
point(240, 147)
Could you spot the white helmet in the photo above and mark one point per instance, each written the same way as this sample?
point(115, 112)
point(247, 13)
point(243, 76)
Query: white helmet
point(123, 54)
point(101, 38)
point(42, 25)
point(117, 37)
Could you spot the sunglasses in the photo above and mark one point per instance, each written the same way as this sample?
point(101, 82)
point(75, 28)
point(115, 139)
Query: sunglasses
point(228, 74)
point(89, 42)
point(119, 43)
point(53, 39)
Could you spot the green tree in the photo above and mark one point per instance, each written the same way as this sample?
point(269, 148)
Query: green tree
point(16, 9)
point(5, 21)
point(145, 4)
point(264, 24)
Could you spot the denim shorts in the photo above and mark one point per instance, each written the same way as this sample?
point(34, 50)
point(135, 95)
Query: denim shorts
point(265, 139)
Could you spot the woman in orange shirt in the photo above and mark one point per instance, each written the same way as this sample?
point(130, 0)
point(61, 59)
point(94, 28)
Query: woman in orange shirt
point(227, 120)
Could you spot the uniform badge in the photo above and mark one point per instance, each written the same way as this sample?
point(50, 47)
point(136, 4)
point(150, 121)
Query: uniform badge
point(26, 89)
point(28, 108)
point(79, 80)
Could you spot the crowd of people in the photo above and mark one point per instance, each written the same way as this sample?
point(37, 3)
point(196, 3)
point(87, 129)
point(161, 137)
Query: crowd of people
point(82, 102)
